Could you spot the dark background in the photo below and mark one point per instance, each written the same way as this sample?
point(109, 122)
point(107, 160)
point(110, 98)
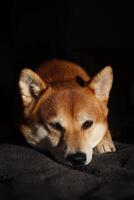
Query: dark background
point(93, 35)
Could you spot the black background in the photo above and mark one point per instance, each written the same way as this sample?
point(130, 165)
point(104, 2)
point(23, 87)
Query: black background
point(91, 34)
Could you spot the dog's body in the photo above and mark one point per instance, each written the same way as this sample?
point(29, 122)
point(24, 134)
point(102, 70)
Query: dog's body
point(65, 111)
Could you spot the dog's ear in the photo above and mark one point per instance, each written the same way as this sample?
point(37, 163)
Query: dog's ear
point(31, 86)
point(102, 83)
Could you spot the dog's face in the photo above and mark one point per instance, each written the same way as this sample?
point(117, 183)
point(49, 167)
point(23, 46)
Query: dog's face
point(67, 121)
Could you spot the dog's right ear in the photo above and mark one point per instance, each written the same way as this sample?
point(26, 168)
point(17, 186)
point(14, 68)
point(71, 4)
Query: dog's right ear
point(31, 86)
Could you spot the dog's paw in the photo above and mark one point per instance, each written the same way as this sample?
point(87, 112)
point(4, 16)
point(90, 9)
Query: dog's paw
point(105, 146)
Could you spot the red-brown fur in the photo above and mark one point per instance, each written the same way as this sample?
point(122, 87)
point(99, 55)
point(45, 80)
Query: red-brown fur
point(60, 93)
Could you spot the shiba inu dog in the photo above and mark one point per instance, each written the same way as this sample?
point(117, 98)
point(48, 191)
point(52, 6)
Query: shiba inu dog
point(65, 111)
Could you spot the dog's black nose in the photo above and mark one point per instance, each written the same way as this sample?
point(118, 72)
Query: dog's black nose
point(77, 158)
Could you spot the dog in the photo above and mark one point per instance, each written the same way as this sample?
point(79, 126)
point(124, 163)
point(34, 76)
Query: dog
point(65, 111)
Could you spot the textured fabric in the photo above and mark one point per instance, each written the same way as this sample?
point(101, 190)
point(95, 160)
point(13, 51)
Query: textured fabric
point(28, 174)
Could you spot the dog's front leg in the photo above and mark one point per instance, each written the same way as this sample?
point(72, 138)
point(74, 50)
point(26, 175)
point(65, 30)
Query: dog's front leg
point(106, 144)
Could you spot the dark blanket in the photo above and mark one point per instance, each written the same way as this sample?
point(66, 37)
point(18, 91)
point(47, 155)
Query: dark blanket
point(27, 174)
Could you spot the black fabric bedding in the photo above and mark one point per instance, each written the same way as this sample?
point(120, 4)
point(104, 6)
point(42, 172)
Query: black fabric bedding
point(28, 174)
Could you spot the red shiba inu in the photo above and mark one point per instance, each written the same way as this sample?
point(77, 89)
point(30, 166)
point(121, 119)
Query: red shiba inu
point(65, 111)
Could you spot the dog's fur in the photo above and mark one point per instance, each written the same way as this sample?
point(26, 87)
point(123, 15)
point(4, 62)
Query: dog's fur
point(64, 110)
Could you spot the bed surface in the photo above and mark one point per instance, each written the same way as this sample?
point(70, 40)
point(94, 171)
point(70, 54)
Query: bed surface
point(28, 174)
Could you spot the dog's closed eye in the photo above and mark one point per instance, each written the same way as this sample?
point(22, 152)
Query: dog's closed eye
point(87, 124)
point(57, 126)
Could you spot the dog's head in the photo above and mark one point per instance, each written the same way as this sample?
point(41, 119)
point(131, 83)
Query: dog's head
point(67, 121)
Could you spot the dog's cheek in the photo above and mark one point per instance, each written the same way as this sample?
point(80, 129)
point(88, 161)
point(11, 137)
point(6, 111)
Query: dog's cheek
point(34, 134)
point(96, 135)
point(54, 139)
point(28, 134)
point(40, 132)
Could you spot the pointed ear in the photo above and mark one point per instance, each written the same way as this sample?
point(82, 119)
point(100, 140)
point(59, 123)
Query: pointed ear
point(102, 83)
point(30, 85)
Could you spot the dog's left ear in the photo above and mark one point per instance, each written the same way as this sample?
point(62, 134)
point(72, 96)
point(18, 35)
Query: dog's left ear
point(102, 83)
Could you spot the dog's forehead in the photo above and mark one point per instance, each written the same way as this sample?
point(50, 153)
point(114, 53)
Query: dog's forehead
point(67, 104)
